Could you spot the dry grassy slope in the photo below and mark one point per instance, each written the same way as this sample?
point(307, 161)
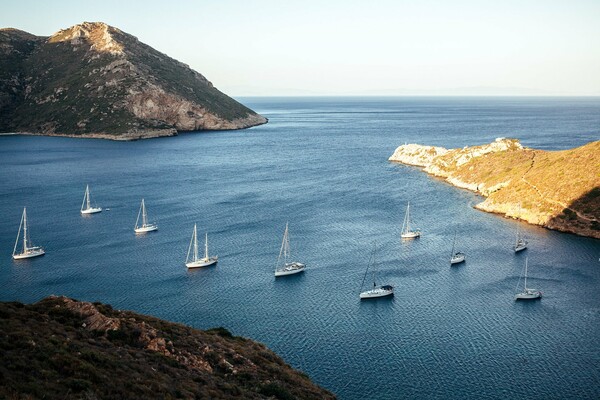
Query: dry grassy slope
point(556, 189)
point(567, 175)
point(542, 185)
point(60, 348)
point(488, 170)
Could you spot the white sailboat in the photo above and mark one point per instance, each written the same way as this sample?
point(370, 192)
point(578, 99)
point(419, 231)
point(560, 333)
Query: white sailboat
point(86, 205)
point(194, 261)
point(29, 251)
point(375, 291)
point(283, 267)
point(407, 232)
point(458, 256)
point(145, 226)
point(528, 293)
point(520, 243)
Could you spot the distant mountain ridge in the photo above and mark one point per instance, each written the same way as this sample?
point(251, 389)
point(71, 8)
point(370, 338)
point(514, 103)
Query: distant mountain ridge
point(93, 80)
point(556, 189)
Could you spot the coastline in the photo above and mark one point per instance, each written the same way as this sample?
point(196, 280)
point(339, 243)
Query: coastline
point(124, 137)
point(129, 136)
point(519, 182)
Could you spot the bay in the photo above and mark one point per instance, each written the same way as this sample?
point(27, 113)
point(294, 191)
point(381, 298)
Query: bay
point(321, 165)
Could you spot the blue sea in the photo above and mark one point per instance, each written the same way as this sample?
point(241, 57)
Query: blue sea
point(321, 165)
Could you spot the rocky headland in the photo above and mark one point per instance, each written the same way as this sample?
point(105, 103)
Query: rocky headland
point(94, 80)
point(558, 190)
point(61, 348)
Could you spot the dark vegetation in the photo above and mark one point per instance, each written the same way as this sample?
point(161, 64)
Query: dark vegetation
point(60, 85)
point(18, 45)
point(49, 351)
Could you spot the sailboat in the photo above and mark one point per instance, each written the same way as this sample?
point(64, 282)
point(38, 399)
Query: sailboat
point(145, 227)
point(194, 261)
point(283, 267)
point(375, 291)
point(520, 243)
point(87, 202)
point(29, 251)
point(527, 293)
point(407, 233)
point(458, 256)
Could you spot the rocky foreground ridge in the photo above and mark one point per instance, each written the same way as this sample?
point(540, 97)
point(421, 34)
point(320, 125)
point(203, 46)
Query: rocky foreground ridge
point(559, 190)
point(93, 80)
point(63, 348)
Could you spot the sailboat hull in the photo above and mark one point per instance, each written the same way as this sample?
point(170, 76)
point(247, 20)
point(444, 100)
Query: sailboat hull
point(91, 210)
point(520, 245)
point(147, 228)
point(30, 253)
point(410, 235)
point(290, 269)
point(457, 259)
point(202, 263)
point(530, 294)
point(376, 293)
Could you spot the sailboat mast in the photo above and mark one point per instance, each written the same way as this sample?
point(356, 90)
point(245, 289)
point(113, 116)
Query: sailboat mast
point(405, 223)
point(144, 217)
point(206, 245)
point(84, 198)
point(18, 234)
point(282, 251)
point(453, 244)
point(187, 257)
point(287, 243)
point(24, 230)
point(87, 195)
point(195, 243)
point(374, 265)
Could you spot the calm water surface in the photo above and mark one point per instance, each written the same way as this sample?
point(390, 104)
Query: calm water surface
point(321, 164)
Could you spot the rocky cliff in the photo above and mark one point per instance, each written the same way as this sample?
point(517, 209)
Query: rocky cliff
point(558, 190)
point(60, 348)
point(93, 80)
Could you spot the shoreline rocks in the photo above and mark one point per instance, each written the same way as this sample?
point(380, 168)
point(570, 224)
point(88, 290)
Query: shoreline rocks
point(557, 190)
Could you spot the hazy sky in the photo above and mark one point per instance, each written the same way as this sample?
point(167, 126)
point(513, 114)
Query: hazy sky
point(345, 47)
